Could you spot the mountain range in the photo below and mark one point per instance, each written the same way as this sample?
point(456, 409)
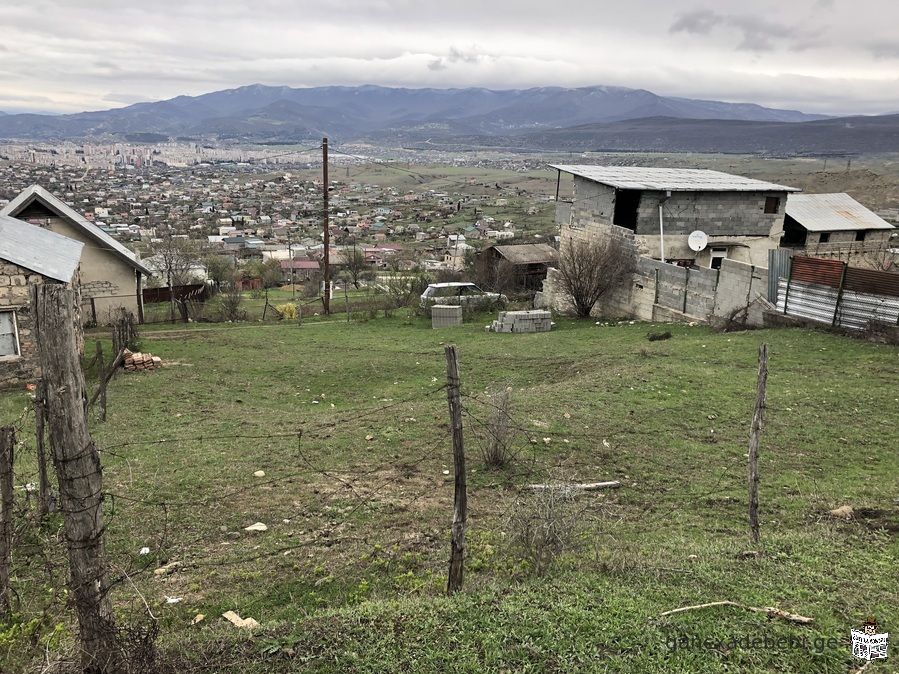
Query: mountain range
point(583, 118)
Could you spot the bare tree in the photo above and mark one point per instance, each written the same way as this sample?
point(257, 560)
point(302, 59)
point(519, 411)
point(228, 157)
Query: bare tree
point(269, 272)
point(176, 257)
point(886, 259)
point(218, 270)
point(590, 269)
point(402, 290)
point(500, 276)
point(357, 267)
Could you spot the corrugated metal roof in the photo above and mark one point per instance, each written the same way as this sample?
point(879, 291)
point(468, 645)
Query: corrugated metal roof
point(36, 192)
point(676, 180)
point(528, 253)
point(39, 250)
point(832, 213)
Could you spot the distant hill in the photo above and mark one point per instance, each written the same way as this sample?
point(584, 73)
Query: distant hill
point(545, 118)
point(265, 113)
point(845, 135)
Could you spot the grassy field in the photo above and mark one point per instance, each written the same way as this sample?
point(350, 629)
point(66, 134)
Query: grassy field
point(349, 423)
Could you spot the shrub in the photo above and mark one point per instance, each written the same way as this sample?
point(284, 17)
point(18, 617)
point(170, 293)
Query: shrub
point(498, 436)
point(545, 523)
point(287, 312)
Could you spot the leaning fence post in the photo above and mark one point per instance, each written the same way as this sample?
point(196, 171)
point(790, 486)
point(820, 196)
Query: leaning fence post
point(755, 431)
point(7, 443)
point(102, 370)
point(40, 417)
point(460, 498)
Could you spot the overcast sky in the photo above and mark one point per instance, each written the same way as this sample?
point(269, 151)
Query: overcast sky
point(827, 56)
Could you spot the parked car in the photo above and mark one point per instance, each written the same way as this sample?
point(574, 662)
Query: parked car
point(460, 292)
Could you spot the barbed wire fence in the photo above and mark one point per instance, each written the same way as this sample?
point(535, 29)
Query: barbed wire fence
point(345, 492)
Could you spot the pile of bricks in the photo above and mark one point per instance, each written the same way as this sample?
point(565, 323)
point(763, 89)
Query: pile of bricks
point(538, 320)
point(138, 362)
point(445, 316)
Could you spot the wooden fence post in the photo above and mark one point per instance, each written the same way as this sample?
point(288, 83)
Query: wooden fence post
point(102, 370)
point(7, 443)
point(755, 431)
point(77, 463)
point(460, 498)
point(40, 416)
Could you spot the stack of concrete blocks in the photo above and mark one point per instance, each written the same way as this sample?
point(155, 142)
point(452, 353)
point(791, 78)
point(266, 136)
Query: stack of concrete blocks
point(445, 316)
point(538, 320)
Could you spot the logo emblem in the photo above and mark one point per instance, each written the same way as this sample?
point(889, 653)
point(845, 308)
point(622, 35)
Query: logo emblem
point(867, 644)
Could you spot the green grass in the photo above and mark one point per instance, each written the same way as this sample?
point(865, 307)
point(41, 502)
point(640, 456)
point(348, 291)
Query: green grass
point(349, 421)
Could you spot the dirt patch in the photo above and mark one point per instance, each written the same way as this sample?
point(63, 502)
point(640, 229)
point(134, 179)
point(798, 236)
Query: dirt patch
point(877, 519)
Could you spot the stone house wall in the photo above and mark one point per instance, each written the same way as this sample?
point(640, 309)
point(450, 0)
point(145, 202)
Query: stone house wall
point(17, 370)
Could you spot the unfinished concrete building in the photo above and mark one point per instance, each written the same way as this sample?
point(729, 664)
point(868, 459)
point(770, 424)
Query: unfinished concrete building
point(737, 218)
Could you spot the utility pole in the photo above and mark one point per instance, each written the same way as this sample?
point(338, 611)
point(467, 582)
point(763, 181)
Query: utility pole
point(326, 300)
point(293, 288)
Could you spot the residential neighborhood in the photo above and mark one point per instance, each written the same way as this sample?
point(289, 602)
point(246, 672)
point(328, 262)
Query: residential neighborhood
point(644, 281)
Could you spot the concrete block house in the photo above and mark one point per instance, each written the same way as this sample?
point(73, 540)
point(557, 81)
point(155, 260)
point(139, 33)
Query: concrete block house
point(111, 275)
point(741, 218)
point(835, 227)
point(28, 255)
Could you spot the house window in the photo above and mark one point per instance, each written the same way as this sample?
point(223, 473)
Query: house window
point(627, 205)
point(860, 236)
point(9, 340)
point(718, 256)
point(772, 204)
point(824, 237)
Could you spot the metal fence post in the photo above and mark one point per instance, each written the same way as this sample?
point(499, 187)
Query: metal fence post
point(836, 309)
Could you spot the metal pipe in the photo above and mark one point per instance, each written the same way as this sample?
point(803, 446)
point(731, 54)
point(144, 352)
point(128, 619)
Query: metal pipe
point(662, 225)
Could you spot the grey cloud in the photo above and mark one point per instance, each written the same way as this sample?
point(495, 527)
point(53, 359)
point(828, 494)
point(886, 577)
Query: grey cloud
point(107, 65)
point(885, 50)
point(758, 34)
point(457, 55)
point(697, 22)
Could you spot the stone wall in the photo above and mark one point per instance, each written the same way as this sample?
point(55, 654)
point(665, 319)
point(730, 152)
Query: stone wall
point(16, 371)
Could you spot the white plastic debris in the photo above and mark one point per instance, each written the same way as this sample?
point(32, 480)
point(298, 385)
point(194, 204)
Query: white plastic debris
point(144, 551)
point(259, 526)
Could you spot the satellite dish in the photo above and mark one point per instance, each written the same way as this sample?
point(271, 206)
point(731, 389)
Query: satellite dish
point(697, 240)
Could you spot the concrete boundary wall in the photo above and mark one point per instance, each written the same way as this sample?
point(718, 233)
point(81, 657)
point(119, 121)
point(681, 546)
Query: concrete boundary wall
point(668, 293)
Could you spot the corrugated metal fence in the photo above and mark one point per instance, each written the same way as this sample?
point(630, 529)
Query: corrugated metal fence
point(831, 292)
point(779, 260)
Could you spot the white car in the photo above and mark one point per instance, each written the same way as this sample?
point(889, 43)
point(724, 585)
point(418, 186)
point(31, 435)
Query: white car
point(459, 292)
